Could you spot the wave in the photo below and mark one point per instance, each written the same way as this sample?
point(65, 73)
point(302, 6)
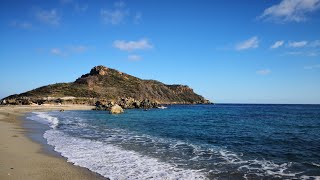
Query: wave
point(114, 162)
point(110, 156)
point(109, 160)
point(44, 118)
point(220, 157)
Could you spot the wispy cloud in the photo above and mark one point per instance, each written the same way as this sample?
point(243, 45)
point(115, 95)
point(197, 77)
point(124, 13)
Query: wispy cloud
point(78, 48)
point(66, 1)
point(294, 53)
point(113, 17)
point(303, 48)
point(137, 18)
point(69, 50)
point(134, 57)
point(57, 52)
point(263, 71)
point(277, 44)
point(315, 44)
point(132, 45)
point(316, 66)
point(119, 4)
point(119, 14)
point(297, 44)
point(116, 15)
point(21, 24)
point(309, 53)
point(251, 43)
point(81, 8)
point(290, 10)
point(51, 17)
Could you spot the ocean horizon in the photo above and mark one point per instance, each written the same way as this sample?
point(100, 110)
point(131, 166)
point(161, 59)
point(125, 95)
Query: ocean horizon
point(219, 141)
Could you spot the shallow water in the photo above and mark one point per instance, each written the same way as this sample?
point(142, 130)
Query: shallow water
point(223, 141)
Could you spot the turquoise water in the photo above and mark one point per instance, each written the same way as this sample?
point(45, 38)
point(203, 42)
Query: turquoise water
point(223, 141)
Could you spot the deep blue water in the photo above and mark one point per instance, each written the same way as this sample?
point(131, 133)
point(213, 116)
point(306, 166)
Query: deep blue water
point(223, 141)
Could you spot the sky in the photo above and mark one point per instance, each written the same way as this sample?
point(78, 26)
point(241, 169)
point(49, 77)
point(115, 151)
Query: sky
point(247, 51)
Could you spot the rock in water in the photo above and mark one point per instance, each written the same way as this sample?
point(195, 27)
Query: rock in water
point(116, 109)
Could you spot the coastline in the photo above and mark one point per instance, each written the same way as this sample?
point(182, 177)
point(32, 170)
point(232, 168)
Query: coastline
point(23, 158)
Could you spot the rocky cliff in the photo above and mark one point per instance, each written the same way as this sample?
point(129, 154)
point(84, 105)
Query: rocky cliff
point(106, 84)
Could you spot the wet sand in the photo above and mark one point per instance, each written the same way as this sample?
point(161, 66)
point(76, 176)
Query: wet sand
point(22, 158)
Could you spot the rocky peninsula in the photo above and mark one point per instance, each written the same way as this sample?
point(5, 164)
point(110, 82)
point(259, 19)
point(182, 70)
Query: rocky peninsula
point(105, 87)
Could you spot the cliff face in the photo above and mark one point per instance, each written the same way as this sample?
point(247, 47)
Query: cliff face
point(112, 85)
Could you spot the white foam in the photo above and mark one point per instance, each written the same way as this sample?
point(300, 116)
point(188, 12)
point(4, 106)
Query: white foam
point(113, 162)
point(315, 164)
point(44, 118)
point(304, 177)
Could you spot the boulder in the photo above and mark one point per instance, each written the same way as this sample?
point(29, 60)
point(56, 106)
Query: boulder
point(116, 109)
point(147, 104)
point(3, 102)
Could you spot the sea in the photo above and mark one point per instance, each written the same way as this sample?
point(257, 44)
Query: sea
point(219, 141)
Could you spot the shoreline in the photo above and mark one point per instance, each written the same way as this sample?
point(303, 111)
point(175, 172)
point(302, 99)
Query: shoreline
point(22, 157)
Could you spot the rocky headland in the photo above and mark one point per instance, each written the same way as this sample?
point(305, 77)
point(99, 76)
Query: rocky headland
point(105, 87)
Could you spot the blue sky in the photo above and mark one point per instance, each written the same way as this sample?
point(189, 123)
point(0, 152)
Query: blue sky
point(265, 51)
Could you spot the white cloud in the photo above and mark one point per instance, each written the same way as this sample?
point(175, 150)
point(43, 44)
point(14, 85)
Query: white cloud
point(21, 24)
point(277, 44)
point(248, 44)
point(297, 44)
point(263, 72)
point(113, 17)
point(51, 17)
point(134, 57)
point(316, 66)
point(132, 45)
point(291, 10)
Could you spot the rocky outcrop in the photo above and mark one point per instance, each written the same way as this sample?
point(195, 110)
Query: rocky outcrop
point(116, 109)
point(99, 70)
point(109, 85)
point(126, 103)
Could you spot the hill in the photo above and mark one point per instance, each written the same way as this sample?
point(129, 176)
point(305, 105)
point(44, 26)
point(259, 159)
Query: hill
point(106, 84)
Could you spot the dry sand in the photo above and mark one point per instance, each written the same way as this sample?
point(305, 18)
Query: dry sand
point(21, 158)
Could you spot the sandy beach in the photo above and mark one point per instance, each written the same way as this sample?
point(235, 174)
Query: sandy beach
point(22, 158)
